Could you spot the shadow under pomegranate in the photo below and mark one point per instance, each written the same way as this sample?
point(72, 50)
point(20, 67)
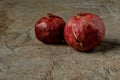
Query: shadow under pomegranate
point(107, 45)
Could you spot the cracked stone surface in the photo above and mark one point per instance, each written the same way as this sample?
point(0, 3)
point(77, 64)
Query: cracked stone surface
point(23, 57)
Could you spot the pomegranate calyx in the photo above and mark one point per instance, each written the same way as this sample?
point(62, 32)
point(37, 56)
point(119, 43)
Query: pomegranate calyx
point(50, 15)
point(80, 14)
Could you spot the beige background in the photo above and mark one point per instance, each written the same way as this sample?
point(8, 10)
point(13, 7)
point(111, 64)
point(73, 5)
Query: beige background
point(23, 57)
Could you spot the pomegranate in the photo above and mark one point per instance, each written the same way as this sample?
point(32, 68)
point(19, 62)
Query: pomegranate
point(49, 29)
point(84, 31)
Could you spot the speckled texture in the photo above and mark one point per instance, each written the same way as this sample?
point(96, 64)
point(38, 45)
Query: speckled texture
point(23, 57)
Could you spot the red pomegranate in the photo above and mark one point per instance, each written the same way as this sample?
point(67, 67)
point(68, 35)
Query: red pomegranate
point(49, 29)
point(84, 31)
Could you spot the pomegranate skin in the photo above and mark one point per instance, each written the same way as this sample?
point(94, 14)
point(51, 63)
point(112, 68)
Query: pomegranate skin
point(49, 29)
point(84, 31)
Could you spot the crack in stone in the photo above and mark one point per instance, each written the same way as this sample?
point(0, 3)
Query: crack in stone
point(53, 64)
point(29, 38)
point(5, 21)
point(111, 12)
point(9, 47)
point(16, 36)
point(27, 32)
point(49, 73)
point(16, 46)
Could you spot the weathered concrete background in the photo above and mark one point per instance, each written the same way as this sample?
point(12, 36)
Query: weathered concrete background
point(23, 57)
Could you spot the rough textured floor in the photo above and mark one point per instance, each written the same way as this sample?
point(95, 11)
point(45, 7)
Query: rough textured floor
point(23, 57)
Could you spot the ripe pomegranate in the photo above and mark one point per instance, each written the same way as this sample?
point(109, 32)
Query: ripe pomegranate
point(84, 31)
point(49, 29)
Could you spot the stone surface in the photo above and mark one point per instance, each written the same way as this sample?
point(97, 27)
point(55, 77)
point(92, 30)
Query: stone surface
point(23, 57)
